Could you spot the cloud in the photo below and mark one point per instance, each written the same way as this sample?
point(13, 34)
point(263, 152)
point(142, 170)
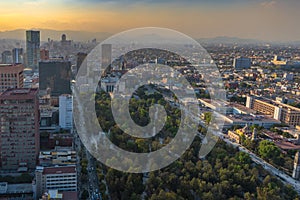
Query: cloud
point(268, 4)
point(178, 2)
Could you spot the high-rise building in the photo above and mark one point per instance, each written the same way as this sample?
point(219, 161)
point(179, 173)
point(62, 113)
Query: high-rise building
point(33, 49)
point(106, 54)
point(106, 51)
point(11, 76)
point(81, 61)
point(64, 41)
point(56, 76)
point(242, 63)
point(17, 55)
point(66, 111)
point(6, 57)
point(19, 123)
point(44, 54)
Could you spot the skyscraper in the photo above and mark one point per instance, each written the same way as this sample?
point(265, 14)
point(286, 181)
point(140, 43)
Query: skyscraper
point(11, 76)
point(33, 49)
point(17, 54)
point(6, 57)
point(106, 50)
point(66, 111)
point(44, 54)
point(19, 125)
point(81, 61)
point(56, 76)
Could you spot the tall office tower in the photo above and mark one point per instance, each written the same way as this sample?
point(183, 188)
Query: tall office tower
point(44, 54)
point(6, 57)
point(64, 41)
point(56, 76)
point(33, 49)
point(17, 54)
point(81, 61)
point(19, 123)
point(66, 111)
point(11, 76)
point(106, 51)
point(242, 63)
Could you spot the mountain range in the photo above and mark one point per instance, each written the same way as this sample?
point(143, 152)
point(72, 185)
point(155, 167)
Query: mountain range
point(20, 34)
point(85, 36)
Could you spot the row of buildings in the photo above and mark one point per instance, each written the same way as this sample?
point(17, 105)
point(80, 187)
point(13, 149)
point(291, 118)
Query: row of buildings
point(20, 126)
point(283, 112)
point(36, 113)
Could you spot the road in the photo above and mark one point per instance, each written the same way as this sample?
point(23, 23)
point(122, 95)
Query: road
point(93, 178)
point(93, 182)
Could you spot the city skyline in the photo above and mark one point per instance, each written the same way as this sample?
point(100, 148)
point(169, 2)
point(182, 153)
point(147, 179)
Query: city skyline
point(260, 19)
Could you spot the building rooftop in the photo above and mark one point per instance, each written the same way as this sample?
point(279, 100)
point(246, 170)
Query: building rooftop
point(19, 188)
point(62, 195)
point(11, 65)
point(6, 188)
point(15, 92)
point(59, 170)
point(59, 157)
point(286, 145)
point(278, 104)
point(250, 118)
point(243, 108)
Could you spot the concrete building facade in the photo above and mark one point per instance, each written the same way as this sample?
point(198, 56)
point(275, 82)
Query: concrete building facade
point(285, 113)
point(242, 63)
point(66, 111)
point(56, 76)
point(61, 178)
point(19, 123)
point(33, 49)
point(11, 76)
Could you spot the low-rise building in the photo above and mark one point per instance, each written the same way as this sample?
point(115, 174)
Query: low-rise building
point(56, 195)
point(16, 191)
point(285, 113)
point(57, 157)
point(61, 178)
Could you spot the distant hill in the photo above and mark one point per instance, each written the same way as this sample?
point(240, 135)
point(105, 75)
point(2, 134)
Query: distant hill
point(84, 36)
point(229, 40)
point(19, 34)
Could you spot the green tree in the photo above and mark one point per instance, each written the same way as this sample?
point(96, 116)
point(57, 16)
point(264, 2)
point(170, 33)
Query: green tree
point(207, 117)
point(269, 151)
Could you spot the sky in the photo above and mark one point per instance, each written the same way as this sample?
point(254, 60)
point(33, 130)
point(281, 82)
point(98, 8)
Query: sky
point(270, 20)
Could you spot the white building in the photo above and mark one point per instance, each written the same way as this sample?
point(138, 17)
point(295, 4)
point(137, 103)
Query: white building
point(108, 83)
point(61, 178)
point(66, 111)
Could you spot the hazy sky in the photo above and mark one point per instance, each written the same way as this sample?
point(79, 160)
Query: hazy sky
point(257, 19)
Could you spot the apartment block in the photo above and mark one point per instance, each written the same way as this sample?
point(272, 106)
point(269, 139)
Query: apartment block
point(19, 128)
point(285, 113)
point(11, 76)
